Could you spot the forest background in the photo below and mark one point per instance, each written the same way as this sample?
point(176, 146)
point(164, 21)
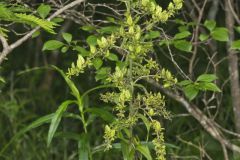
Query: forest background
point(59, 80)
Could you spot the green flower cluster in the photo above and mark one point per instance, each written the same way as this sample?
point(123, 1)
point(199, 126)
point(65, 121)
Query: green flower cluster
point(158, 14)
point(167, 77)
point(103, 50)
point(154, 104)
point(159, 140)
point(129, 97)
point(81, 64)
point(109, 136)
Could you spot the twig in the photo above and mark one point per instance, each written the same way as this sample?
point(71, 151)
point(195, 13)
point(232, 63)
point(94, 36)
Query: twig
point(206, 123)
point(225, 152)
point(196, 35)
point(4, 42)
point(233, 12)
point(195, 146)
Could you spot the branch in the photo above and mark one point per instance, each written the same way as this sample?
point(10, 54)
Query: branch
point(10, 48)
point(206, 123)
point(233, 12)
point(233, 65)
point(4, 42)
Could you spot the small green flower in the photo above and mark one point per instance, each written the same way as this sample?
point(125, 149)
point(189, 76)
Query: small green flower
point(109, 136)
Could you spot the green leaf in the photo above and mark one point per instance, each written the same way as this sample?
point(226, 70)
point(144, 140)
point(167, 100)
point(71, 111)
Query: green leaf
point(190, 91)
point(185, 82)
point(83, 147)
point(67, 37)
point(235, 45)
point(36, 34)
point(35, 21)
point(88, 28)
point(210, 24)
point(110, 19)
point(121, 64)
point(108, 29)
point(145, 151)
point(2, 80)
point(165, 42)
point(52, 45)
point(125, 150)
point(203, 37)
point(210, 87)
point(152, 35)
point(97, 63)
point(56, 120)
point(207, 77)
point(43, 10)
point(182, 35)
point(92, 40)
point(220, 34)
point(145, 121)
point(105, 115)
point(82, 51)
point(237, 29)
point(70, 83)
point(57, 20)
point(183, 45)
point(112, 57)
point(102, 73)
point(182, 28)
point(64, 49)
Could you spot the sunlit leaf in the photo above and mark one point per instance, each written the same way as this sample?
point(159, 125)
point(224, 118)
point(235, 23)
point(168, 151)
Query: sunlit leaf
point(236, 45)
point(43, 10)
point(210, 24)
point(220, 34)
point(92, 40)
point(67, 37)
point(190, 91)
point(108, 29)
point(207, 77)
point(183, 45)
point(97, 63)
point(210, 87)
point(112, 57)
point(52, 45)
point(203, 37)
point(185, 82)
point(182, 35)
point(152, 35)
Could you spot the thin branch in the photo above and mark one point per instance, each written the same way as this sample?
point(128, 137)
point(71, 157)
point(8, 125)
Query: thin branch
point(233, 12)
point(196, 35)
point(225, 152)
point(206, 123)
point(4, 42)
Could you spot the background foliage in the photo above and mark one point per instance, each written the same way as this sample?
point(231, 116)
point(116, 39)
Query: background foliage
point(198, 45)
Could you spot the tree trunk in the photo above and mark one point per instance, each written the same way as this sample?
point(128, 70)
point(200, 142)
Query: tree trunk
point(233, 66)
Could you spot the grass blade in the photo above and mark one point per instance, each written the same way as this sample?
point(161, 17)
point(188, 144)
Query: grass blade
point(56, 120)
point(35, 124)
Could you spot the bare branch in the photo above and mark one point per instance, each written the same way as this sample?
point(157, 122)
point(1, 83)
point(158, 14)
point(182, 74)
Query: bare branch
point(4, 42)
